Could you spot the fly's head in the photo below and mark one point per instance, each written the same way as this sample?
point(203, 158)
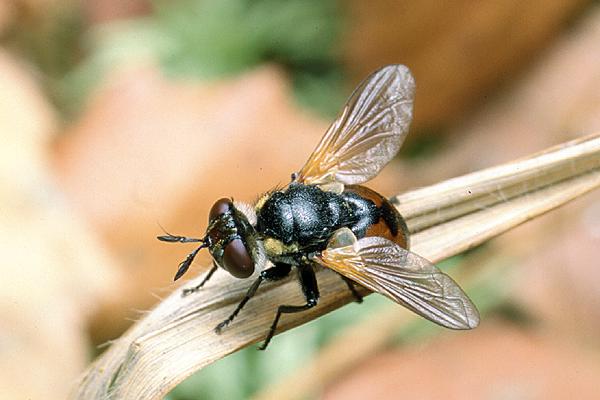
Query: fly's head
point(230, 239)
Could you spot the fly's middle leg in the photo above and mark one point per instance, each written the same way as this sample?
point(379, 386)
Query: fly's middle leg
point(310, 289)
point(279, 271)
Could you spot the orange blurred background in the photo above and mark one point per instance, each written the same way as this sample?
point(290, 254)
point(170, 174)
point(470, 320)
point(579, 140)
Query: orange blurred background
point(117, 118)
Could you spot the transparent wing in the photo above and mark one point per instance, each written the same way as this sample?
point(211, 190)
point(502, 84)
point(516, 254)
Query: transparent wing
point(368, 132)
point(384, 267)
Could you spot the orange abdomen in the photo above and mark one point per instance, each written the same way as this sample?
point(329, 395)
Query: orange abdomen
point(391, 225)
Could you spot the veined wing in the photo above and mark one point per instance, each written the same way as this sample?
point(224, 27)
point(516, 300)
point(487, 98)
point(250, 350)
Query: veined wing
point(368, 132)
point(384, 267)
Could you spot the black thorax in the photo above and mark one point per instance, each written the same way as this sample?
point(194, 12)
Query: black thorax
point(308, 216)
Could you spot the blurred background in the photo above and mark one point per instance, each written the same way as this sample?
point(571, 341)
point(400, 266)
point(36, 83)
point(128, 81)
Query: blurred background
point(117, 116)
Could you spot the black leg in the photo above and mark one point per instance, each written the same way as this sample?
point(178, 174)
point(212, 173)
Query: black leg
point(249, 294)
point(279, 271)
point(185, 264)
point(308, 282)
point(357, 297)
point(198, 286)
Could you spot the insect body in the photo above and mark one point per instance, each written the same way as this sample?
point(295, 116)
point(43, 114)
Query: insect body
point(325, 217)
point(303, 218)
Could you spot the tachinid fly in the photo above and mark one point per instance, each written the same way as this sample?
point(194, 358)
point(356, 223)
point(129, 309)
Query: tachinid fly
point(325, 217)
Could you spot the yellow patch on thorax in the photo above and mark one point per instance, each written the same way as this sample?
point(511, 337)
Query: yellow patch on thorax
point(275, 247)
point(261, 201)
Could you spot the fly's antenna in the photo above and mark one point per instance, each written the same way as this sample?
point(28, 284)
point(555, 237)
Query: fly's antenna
point(176, 239)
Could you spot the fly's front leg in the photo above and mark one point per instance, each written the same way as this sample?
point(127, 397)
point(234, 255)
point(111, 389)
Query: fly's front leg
point(198, 286)
point(279, 271)
point(310, 289)
point(185, 264)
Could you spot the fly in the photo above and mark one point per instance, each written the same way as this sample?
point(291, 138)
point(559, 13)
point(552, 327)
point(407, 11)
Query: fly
point(326, 217)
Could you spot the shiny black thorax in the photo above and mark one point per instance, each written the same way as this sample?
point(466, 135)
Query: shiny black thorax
point(307, 216)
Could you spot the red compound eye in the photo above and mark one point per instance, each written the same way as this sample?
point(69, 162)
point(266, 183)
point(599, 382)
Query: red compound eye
point(221, 206)
point(237, 260)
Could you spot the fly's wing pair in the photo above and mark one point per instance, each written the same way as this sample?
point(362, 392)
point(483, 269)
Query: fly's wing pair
point(362, 140)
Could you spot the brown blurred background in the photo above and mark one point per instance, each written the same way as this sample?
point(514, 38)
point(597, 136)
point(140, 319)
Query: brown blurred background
point(117, 117)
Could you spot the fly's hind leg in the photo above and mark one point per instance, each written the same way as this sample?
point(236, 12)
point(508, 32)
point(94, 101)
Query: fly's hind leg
point(352, 287)
point(279, 271)
point(310, 289)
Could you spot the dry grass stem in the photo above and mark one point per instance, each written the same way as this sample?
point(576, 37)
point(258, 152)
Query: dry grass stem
point(176, 338)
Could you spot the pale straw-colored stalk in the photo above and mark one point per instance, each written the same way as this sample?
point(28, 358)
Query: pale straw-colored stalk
point(177, 337)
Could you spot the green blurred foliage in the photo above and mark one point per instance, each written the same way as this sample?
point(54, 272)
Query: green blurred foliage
point(207, 39)
point(423, 146)
point(217, 37)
